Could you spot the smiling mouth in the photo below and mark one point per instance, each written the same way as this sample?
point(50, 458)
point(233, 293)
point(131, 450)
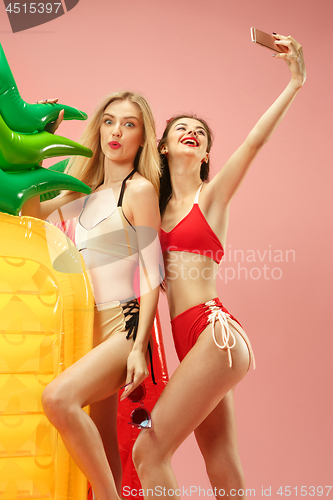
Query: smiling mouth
point(190, 142)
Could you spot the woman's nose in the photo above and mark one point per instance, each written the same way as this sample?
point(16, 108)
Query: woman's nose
point(116, 131)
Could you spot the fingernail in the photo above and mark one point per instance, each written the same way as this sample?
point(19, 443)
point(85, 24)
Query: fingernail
point(123, 387)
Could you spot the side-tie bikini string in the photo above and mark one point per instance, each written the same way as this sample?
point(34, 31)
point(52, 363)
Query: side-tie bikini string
point(216, 314)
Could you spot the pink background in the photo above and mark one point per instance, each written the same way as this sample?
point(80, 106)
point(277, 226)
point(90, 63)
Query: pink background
point(197, 56)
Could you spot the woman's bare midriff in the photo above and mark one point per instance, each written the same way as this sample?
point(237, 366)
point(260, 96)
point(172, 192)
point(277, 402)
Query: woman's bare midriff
point(190, 280)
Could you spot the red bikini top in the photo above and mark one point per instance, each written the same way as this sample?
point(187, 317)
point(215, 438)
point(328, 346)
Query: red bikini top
point(193, 234)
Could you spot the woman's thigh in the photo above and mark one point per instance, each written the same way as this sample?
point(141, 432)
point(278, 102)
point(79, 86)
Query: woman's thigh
point(104, 413)
point(197, 386)
point(217, 433)
point(97, 375)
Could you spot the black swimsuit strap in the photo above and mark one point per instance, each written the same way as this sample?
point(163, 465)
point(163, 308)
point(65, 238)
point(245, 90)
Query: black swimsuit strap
point(120, 201)
point(85, 202)
point(151, 364)
point(131, 312)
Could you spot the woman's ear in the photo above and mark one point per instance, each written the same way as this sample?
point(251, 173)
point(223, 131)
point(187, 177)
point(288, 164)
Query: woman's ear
point(164, 150)
point(206, 158)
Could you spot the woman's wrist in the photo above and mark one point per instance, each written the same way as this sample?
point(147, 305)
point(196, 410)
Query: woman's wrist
point(139, 346)
point(296, 83)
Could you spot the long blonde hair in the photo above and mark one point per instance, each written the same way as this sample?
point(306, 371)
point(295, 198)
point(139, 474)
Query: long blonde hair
point(147, 161)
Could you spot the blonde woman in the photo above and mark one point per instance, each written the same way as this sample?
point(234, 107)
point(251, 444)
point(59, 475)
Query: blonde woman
point(116, 225)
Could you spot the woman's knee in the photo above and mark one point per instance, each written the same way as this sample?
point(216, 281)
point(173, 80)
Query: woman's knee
point(140, 452)
point(147, 452)
point(56, 406)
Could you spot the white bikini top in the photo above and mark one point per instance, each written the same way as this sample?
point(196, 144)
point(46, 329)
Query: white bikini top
point(113, 235)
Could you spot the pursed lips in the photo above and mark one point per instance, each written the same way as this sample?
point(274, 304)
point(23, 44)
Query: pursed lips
point(114, 144)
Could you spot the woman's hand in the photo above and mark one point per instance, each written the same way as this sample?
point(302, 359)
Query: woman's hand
point(293, 57)
point(222, 188)
point(52, 127)
point(137, 371)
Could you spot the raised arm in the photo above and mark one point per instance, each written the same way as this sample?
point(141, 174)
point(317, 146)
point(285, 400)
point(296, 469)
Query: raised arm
point(33, 207)
point(147, 224)
point(224, 185)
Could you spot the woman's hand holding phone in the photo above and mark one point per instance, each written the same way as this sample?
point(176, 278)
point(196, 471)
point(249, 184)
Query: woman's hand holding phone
point(293, 57)
point(284, 47)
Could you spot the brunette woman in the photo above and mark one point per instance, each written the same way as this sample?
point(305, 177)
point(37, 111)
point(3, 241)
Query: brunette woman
point(213, 348)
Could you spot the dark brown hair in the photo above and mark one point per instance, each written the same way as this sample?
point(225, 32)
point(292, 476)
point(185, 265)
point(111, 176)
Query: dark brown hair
point(165, 181)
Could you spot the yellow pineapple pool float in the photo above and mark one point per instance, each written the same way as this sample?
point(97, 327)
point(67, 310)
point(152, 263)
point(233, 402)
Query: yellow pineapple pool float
point(45, 325)
point(46, 303)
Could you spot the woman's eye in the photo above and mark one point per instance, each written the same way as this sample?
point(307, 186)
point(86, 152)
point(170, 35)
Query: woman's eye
point(129, 124)
point(201, 132)
point(180, 128)
point(108, 121)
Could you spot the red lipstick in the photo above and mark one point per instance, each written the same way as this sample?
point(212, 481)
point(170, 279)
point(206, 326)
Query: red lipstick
point(114, 145)
point(190, 141)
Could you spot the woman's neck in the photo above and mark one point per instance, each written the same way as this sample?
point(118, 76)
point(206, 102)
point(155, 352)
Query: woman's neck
point(115, 172)
point(185, 179)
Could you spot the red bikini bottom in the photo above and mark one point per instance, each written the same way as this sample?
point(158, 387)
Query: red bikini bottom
point(188, 325)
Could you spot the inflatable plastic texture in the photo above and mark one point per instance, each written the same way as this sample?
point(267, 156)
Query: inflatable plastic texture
point(16, 189)
point(46, 319)
point(21, 116)
point(24, 144)
point(24, 151)
point(57, 167)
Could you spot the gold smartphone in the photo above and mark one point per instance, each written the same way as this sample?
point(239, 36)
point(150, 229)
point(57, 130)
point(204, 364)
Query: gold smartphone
point(266, 40)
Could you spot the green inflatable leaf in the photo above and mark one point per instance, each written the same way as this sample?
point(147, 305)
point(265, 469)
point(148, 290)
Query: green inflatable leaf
point(57, 167)
point(19, 187)
point(24, 144)
point(23, 151)
point(22, 116)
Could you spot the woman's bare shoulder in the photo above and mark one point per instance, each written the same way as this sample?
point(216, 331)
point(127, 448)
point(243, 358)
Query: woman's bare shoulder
point(139, 186)
point(142, 201)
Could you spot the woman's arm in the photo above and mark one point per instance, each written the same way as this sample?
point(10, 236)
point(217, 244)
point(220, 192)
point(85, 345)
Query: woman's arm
point(224, 185)
point(34, 208)
point(147, 223)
